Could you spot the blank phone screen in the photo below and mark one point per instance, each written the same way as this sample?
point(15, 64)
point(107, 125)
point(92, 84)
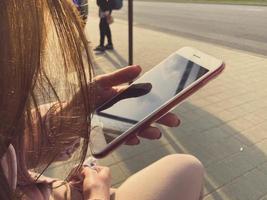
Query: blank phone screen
point(147, 94)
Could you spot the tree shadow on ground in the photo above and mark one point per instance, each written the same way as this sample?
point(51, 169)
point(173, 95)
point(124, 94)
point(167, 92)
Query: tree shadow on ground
point(235, 166)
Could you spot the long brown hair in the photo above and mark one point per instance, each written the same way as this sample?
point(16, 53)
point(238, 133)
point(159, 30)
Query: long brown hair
point(44, 57)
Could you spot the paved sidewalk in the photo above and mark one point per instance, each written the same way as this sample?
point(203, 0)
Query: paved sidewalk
point(224, 124)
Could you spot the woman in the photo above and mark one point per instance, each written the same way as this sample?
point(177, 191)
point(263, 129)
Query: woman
point(47, 95)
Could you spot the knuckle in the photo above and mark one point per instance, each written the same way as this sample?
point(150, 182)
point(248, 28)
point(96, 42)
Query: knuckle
point(107, 170)
point(106, 173)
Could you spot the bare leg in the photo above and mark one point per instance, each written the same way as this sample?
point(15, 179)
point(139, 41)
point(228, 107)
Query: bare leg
point(174, 177)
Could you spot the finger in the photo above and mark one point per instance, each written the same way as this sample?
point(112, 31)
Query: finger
point(133, 141)
point(170, 119)
point(151, 133)
point(121, 76)
point(104, 172)
point(120, 88)
point(111, 92)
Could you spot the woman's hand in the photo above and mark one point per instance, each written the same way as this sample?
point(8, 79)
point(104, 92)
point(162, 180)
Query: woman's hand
point(96, 183)
point(109, 85)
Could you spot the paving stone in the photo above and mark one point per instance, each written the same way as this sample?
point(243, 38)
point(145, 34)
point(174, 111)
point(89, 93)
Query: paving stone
point(257, 181)
point(263, 168)
point(107, 161)
point(218, 195)
point(133, 165)
point(251, 186)
point(264, 197)
point(117, 174)
point(253, 135)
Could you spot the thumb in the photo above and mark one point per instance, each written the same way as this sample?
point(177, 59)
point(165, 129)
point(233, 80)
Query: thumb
point(119, 77)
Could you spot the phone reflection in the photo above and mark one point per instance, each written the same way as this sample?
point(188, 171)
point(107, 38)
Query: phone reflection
point(135, 90)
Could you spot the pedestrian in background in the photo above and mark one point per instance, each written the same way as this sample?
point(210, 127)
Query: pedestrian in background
point(105, 10)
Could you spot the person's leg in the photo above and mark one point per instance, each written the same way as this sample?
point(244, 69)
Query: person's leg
point(102, 27)
point(174, 177)
point(108, 34)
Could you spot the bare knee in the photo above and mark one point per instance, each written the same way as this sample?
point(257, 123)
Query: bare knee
point(185, 171)
point(185, 159)
point(184, 166)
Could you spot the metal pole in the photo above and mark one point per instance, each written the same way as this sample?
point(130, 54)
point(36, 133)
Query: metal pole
point(130, 32)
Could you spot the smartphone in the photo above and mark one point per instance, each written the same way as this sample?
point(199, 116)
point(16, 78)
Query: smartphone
point(150, 97)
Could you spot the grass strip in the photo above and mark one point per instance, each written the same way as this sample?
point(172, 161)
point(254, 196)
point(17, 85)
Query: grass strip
point(237, 2)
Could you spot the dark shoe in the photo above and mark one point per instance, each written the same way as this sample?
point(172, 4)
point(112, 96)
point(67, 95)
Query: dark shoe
point(100, 48)
point(109, 47)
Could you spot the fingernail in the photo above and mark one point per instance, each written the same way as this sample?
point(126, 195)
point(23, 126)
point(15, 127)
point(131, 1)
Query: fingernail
point(178, 122)
point(137, 66)
point(160, 135)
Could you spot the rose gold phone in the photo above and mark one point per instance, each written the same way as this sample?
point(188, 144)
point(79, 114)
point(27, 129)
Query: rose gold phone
point(150, 97)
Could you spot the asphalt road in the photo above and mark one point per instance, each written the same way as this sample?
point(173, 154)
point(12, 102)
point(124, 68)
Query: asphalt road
point(241, 27)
